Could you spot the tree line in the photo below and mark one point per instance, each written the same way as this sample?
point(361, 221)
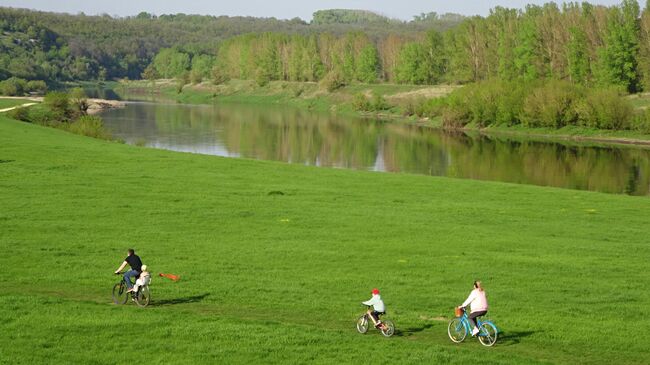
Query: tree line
point(581, 43)
point(56, 47)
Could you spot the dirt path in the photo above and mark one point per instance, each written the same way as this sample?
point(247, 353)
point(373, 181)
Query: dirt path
point(17, 106)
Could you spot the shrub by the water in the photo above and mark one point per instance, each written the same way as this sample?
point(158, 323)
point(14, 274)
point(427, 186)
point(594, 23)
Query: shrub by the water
point(360, 102)
point(551, 105)
point(58, 102)
point(334, 80)
point(88, 125)
point(376, 103)
point(641, 122)
point(605, 109)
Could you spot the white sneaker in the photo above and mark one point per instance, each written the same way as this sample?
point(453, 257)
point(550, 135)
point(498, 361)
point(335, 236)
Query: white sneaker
point(475, 331)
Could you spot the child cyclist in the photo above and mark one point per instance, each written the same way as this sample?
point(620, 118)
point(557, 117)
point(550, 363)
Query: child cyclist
point(378, 308)
point(478, 305)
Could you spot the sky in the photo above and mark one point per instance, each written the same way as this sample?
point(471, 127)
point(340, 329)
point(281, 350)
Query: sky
point(281, 9)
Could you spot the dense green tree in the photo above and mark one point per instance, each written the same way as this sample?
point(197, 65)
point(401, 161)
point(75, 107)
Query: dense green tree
point(578, 56)
point(170, 63)
point(618, 63)
point(367, 65)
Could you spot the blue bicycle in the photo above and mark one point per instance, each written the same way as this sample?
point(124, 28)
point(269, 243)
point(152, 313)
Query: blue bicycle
point(460, 327)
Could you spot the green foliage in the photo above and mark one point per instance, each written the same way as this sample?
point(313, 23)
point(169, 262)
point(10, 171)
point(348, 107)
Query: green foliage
point(202, 67)
point(578, 56)
point(36, 86)
point(13, 86)
point(78, 102)
point(58, 102)
point(526, 53)
point(605, 109)
point(219, 77)
point(170, 63)
point(182, 80)
point(412, 67)
point(551, 105)
point(150, 73)
point(20, 113)
point(618, 63)
point(367, 67)
point(375, 103)
point(334, 80)
point(346, 16)
point(88, 125)
point(360, 102)
point(641, 122)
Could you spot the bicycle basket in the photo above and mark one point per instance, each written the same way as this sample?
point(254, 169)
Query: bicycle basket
point(459, 312)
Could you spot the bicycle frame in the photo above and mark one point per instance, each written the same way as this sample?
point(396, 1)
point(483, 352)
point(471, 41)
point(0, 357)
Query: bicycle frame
point(464, 320)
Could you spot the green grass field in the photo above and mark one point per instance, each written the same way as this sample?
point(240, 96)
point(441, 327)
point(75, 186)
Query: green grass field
point(270, 277)
point(8, 103)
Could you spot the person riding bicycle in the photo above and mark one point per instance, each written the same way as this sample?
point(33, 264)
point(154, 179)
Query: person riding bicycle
point(478, 305)
point(378, 307)
point(144, 279)
point(135, 263)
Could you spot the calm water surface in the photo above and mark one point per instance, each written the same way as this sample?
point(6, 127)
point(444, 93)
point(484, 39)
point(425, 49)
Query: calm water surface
point(304, 137)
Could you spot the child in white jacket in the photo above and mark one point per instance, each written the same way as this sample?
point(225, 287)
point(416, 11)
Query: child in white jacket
point(144, 279)
point(378, 307)
point(477, 301)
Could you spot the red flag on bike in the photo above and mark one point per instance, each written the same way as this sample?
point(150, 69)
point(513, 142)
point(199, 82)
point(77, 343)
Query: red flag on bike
point(170, 276)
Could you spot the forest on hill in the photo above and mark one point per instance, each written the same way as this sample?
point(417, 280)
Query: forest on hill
point(580, 43)
point(61, 47)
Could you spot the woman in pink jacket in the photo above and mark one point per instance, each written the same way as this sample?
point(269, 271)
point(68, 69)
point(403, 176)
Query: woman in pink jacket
point(478, 305)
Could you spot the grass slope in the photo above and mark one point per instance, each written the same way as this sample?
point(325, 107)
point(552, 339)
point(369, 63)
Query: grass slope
point(270, 278)
point(8, 103)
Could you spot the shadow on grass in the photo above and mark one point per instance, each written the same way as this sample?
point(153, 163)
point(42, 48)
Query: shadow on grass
point(509, 338)
point(185, 300)
point(405, 332)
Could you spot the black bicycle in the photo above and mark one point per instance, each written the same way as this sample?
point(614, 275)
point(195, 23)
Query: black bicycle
point(141, 297)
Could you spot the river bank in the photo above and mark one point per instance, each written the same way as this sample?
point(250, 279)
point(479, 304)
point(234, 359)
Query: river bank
point(95, 105)
point(310, 96)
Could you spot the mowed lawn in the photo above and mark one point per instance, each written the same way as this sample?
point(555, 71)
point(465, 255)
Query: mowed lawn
point(275, 260)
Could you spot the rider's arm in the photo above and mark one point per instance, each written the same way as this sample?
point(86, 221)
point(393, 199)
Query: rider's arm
point(469, 299)
point(121, 267)
point(370, 302)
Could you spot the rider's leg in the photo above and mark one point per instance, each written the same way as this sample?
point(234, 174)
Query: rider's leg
point(472, 318)
point(127, 277)
point(372, 317)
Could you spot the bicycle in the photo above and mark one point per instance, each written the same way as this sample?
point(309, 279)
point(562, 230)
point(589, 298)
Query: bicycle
point(387, 327)
point(460, 327)
point(120, 296)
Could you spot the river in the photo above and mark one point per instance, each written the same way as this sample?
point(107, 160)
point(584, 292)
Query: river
point(321, 139)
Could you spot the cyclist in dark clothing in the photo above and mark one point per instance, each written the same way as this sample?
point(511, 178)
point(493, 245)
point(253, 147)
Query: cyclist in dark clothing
point(135, 263)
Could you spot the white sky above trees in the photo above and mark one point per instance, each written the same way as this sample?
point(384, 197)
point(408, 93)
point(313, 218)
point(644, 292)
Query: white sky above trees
point(282, 9)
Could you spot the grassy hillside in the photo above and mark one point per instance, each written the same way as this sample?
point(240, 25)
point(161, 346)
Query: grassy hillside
point(276, 258)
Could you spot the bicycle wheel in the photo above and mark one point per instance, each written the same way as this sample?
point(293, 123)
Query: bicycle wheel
point(362, 324)
point(143, 297)
point(487, 334)
point(456, 330)
point(390, 328)
point(120, 296)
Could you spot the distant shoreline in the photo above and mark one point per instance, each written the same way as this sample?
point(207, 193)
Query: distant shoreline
point(312, 98)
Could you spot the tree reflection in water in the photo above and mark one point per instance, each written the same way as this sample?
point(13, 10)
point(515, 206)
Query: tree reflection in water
point(321, 139)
